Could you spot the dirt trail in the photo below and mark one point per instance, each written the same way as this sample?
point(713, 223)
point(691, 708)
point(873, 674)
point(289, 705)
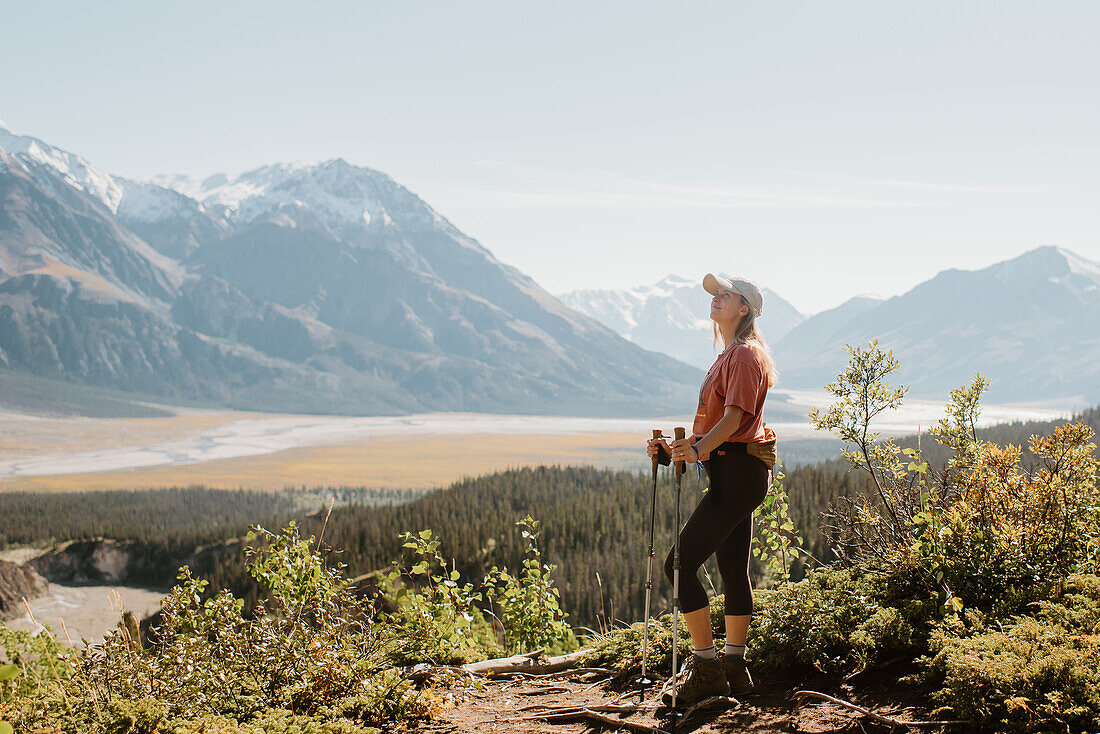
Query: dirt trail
point(516, 706)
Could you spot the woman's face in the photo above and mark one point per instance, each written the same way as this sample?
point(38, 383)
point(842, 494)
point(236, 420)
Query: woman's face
point(727, 308)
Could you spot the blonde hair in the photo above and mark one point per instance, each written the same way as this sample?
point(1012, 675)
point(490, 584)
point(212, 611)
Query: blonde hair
point(749, 333)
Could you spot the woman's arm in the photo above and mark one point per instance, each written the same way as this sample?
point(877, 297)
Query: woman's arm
point(716, 436)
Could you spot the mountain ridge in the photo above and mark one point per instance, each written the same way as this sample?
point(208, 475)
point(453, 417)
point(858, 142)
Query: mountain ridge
point(301, 287)
point(1031, 323)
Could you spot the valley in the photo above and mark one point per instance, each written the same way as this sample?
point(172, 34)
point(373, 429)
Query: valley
point(230, 449)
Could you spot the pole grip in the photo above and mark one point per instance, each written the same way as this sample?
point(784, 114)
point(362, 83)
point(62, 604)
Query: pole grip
point(680, 433)
point(656, 434)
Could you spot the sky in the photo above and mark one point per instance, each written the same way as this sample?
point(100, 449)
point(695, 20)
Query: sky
point(822, 149)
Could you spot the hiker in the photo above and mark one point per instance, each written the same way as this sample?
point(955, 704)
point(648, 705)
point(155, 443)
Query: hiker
point(729, 418)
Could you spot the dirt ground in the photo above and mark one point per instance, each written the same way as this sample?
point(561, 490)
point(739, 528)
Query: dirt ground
point(521, 706)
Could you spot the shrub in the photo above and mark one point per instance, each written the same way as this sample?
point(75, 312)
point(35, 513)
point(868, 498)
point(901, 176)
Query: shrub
point(528, 605)
point(833, 621)
point(984, 531)
point(314, 651)
point(1030, 676)
point(436, 619)
point(1039, 673)
point(620, 649)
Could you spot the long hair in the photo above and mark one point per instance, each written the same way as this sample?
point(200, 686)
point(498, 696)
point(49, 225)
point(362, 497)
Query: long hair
point(749, 333)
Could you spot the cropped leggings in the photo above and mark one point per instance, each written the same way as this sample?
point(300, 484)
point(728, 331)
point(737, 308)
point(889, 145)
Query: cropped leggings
point(721, 524)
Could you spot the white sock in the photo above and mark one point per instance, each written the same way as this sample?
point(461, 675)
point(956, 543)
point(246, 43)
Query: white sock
point(708, 653)
point(737, 650)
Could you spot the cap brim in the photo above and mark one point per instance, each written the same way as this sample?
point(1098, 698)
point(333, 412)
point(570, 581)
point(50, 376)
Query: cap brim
point(712, 284)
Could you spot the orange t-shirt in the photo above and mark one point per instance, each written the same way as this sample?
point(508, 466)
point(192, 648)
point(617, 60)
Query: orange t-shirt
point(736, 378)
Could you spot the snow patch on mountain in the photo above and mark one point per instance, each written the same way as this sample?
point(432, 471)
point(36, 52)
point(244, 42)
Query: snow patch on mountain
point(76, 171)
point(673, 316)
point(145, 202)
point(341, 196)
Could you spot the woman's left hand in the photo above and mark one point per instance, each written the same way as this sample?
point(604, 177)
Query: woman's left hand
point(682, 450)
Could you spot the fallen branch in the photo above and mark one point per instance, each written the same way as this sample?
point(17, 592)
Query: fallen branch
point(711, 702)
point(591, 716)
point(544, 691)
point(530, 663)
point(605, 709)
point(567, 672)
point(893, 723)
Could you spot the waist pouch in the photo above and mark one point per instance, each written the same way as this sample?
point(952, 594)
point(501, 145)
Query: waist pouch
point(766, 450)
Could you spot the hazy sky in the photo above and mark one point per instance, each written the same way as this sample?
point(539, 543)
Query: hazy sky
point(823, 148)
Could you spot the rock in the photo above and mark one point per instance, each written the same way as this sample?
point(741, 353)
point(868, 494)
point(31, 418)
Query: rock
point(99, 561)
point(16, 583)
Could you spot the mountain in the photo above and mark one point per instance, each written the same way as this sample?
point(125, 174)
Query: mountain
point(820, 332)
point(295, 287)
point(1031, 324)
point(672, 316)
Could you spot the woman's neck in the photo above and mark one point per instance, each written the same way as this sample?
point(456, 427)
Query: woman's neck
point(729, 335)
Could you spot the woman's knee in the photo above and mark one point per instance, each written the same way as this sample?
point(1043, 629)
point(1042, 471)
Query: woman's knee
point(738, 596)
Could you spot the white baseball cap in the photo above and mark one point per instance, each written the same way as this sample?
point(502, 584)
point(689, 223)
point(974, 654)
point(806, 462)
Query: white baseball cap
point(712, 284)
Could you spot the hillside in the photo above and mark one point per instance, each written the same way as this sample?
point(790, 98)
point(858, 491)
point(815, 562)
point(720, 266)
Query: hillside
point(324, 288)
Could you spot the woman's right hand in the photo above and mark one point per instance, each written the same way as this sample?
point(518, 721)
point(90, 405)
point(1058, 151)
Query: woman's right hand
point(652, 444)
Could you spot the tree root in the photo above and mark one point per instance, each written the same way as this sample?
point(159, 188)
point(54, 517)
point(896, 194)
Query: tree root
point(892, 723)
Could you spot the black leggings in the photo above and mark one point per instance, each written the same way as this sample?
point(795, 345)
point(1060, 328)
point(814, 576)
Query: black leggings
point(722, 524)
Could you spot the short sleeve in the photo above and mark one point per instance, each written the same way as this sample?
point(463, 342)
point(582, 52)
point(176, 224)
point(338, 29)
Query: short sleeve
point(743, 387)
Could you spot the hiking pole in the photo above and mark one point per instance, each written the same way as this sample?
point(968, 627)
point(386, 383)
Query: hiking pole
point(649, 572)
point(678, 474)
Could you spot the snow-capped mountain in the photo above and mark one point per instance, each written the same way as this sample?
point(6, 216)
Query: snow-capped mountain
point(672, 316)
point(72, 169)
point(300, 287)
point(340, 196)
point(1032, 324)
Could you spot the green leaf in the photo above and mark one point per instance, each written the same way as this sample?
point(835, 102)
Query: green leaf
point(420, 567)
point(425, 534)
point(9, 672)
point(6, 728)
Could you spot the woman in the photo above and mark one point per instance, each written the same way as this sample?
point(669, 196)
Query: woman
point(730, 415)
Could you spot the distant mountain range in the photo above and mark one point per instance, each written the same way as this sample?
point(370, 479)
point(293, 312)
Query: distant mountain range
point(671, 316)
point(295, 287)
point(331, 288)
point(1032, 324)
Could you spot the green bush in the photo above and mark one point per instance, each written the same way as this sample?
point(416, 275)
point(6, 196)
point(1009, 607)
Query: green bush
point(529, 605)
point(315, 658)
point(620, 649)
point(315, 651)
point(1035, 673)
point(1030, 676)
point(833, 621)
point(436, 619)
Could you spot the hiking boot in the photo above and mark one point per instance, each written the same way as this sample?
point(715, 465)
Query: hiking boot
point(700, 678)
point(737, 674)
